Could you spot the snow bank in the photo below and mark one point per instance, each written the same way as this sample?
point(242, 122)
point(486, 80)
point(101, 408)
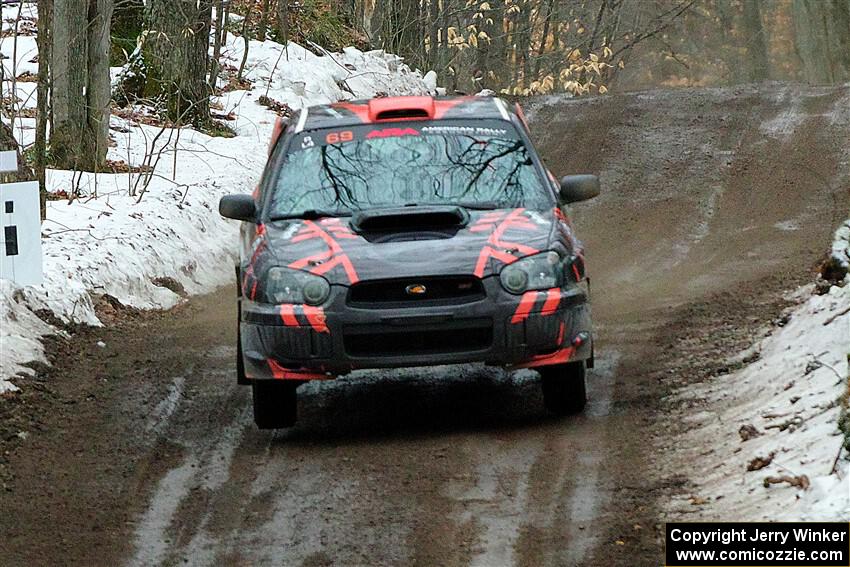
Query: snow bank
point(841, 244)
point(790, 395)
point(112, 243)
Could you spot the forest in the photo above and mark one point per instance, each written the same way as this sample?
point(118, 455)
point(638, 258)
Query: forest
point(510, 47)
point(168, 52)
point(540, 46)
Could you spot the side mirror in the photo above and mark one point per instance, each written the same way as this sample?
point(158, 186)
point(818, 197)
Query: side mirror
point(238, 207)
point(576, 188)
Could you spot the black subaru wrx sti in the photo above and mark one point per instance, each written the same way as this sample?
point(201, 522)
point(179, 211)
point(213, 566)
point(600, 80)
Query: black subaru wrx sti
point(408, 231)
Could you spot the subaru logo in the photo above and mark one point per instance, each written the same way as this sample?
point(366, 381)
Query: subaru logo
point(416, 289)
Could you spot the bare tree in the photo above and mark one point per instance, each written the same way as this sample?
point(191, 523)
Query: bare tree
point(215, 66)
point(80, 83)
point(246, 21)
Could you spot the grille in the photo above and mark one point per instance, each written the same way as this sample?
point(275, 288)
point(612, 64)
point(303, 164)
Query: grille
point(448, 290)
point(418, 342)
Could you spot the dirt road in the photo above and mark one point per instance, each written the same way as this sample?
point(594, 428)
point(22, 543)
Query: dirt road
point(142, 451)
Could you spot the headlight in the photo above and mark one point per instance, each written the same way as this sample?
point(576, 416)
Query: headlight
point(541, 271)
point(285, 285)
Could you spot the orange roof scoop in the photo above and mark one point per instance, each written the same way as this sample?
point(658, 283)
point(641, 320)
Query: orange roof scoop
point(401, 108)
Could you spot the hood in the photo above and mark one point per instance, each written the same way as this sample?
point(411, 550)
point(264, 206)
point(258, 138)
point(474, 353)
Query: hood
point(403, 243)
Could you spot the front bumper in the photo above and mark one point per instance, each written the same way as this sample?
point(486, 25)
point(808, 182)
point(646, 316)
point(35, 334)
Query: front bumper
point(538, 328)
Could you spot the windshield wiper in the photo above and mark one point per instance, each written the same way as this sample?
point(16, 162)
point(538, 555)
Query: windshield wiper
point(479, 205)
point(310, 214)
point(472, 205)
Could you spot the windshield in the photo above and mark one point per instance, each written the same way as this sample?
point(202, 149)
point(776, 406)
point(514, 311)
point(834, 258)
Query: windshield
point(475, 166)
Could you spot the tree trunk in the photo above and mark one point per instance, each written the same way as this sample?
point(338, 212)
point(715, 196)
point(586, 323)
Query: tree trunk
point(263, 24)
point(176, 58)
point(822, 39)
point(214, 63)
point(223, 29)
point(524, 43)
point(283, 21)
point(543, 36)
point(497, 50)
point(245, 37)
point(433, 34)
point(755, 33)
point(729, 42)
point(444, 53)
point(99, 88)
point(80, 79)
point(45, 13)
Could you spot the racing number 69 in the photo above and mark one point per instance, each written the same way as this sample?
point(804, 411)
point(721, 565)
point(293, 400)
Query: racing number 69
point(337, 137)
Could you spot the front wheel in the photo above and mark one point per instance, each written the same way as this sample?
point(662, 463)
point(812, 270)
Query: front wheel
point(564, 389)
point(275, 403)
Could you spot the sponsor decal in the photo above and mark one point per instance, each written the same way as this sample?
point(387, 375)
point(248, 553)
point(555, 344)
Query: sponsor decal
point(465, 131)
point(292, 316)
point(551, 299)
point(497, 246)
point(328, 231)
point(249, 279)
point(337, 137)
point(392, 133)
point(524, 307)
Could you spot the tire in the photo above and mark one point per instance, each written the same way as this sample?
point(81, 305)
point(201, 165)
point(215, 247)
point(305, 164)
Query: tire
point(275, 403)
point(564, 389)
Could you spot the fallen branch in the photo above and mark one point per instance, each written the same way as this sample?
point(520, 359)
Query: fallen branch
point(825, 365)
point(844, 311)
point(792, 424)
point(802, 481)
point(834, 468)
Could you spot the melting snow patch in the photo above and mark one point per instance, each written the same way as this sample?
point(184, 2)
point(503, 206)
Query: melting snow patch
point(784, 123)
point(841, 244)
point(785, 404)
point(787, 225)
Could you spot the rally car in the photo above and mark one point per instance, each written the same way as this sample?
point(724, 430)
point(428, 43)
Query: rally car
point(408, 231)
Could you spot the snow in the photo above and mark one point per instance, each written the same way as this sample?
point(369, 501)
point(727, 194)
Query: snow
point(841, 244)
point(110, 242)
point(799, 377)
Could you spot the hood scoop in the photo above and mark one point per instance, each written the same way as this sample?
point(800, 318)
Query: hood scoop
point(409, 223)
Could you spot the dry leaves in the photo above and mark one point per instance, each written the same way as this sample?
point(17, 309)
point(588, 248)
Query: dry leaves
point(27, 77)
point(281, 108)
point(121, 166)
point(748, 431)
point(760, 462)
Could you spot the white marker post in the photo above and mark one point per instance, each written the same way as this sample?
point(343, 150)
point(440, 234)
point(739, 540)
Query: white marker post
point(20, 227)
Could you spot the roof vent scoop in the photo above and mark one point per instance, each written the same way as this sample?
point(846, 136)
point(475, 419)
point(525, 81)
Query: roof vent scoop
point(408, 219)
point(401, 108)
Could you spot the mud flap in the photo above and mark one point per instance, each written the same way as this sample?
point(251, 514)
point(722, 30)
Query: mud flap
point(241, 379)
point(589, 362)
